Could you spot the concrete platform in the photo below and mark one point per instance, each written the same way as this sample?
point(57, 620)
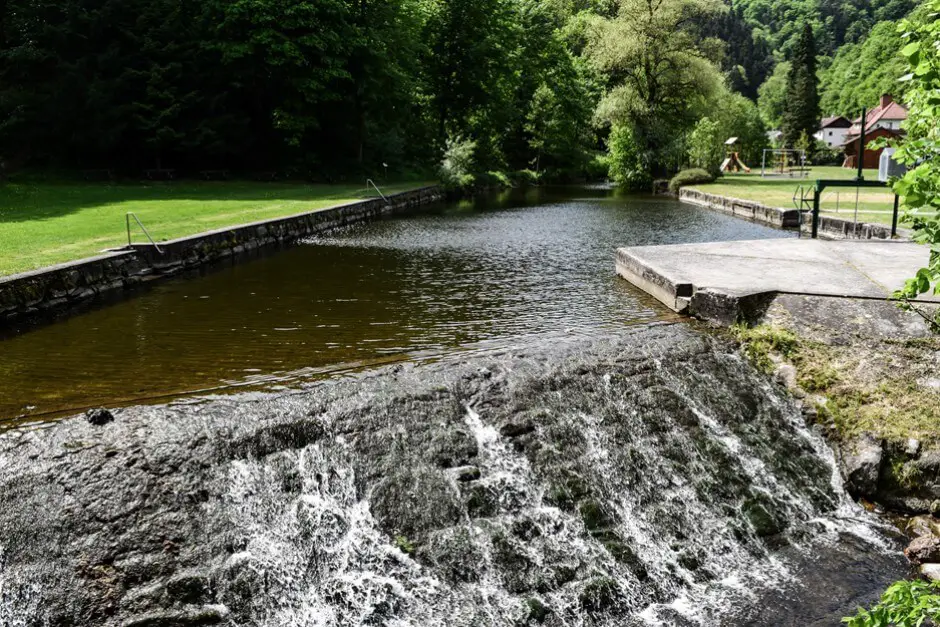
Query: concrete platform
point(724, 281)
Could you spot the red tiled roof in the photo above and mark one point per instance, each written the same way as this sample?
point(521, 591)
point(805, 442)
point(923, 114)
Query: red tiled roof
point(891, 111)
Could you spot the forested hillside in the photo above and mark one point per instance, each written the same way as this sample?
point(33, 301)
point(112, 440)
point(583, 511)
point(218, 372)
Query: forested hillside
point(325, 88)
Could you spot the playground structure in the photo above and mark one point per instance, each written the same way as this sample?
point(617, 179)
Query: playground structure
point(788, 162)
point(732, 162)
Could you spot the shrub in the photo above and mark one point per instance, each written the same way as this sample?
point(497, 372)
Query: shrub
point(904, 604)
point(706, 145)
point(458, 165)
point(691, 176)
point(597, 168)
point(629, 166)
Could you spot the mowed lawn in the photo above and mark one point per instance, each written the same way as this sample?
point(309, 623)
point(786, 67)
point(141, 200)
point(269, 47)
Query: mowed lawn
point(47, 223)
point(874, 205)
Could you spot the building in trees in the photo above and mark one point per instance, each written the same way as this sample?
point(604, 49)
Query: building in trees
point(882, 121)
point(832, 130)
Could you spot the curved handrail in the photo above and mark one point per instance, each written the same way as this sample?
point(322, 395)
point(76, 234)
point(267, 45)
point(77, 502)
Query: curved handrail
point(376, 187)
point(127, 218)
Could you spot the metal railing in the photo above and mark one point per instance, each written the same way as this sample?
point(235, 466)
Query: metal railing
point(376, 188)
point(127, 218)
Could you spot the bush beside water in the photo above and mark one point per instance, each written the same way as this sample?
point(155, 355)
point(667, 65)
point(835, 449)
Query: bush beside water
point(692, 176)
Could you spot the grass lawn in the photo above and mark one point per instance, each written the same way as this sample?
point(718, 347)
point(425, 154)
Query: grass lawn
point(47, 223)
point(874, 205)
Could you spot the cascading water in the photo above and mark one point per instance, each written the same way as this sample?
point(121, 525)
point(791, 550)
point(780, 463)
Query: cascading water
point(648, 478)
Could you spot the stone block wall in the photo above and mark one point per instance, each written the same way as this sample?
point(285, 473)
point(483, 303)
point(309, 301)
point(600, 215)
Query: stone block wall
point(66, 286)
point(749, 209)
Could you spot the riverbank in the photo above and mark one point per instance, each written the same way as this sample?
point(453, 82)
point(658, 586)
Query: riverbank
point(866, 375)
point(874, 205)
point(66, 286)
point(48, 223)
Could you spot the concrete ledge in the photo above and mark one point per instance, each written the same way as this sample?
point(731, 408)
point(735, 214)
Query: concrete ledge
point(63, 287)
point(749, 209)
point(729, 281)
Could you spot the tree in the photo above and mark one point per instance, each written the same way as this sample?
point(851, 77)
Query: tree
point(860, 73)
point(658, 74)
point(747, 58)
point(468, 58)
point(920, 149)
point(772, 95)
point(801, 109)
point(739, 117)
point(706, 149)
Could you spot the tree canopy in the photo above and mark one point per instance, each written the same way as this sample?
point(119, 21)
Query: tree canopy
point(326, 89)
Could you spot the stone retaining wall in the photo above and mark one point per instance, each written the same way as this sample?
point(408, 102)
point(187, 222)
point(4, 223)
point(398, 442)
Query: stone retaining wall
point(758, 212)
point(62, 287)
point(840, 228)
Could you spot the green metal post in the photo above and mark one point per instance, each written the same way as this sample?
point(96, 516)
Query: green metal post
point(894, 218)
point(817, 193)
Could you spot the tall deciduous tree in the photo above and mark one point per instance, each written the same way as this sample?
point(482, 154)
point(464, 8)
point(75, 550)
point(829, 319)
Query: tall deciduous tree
point(659, 72)
point(801, 109)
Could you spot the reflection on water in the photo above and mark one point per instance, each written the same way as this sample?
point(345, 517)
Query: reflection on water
point(437, 280)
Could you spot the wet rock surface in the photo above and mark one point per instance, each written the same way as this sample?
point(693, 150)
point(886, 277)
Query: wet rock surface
point(861, 465)
point(580, 481)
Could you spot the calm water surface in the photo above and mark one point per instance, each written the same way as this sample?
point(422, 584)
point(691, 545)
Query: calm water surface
point(438, 280)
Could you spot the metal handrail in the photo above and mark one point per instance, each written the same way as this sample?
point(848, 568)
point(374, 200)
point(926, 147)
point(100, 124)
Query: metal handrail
point(127, 218)
point(376, 187)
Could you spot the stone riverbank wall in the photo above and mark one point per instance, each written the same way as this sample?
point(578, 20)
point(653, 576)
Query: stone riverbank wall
point(758, 212)
point(840, 228)
point(63, 287)
point(829, 227)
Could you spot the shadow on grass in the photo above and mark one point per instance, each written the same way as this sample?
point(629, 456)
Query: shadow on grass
point(28, 201)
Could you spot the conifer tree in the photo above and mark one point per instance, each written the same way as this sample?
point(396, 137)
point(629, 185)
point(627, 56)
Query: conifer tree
point(801, 109)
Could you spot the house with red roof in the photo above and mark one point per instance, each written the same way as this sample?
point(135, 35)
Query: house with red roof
point(882, 121)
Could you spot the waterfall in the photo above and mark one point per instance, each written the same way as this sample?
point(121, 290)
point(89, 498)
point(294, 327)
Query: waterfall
point(648, 478)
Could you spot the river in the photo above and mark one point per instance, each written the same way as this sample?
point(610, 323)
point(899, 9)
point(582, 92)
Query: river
point(417, 286)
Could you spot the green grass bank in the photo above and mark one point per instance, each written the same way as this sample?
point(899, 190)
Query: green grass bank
point(874, 205)
point(45, 223)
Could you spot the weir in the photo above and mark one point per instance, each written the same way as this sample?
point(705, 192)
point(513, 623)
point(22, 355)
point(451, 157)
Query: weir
point(649, 477)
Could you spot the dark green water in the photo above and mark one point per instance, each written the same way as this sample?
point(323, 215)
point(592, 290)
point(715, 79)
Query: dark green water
point(446, 278)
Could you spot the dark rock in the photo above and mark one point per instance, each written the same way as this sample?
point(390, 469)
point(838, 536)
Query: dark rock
point(467, 473)
point(759, 512)
point(923, 550)
point(455, 553)
point(99, 417)
point(414, 501)
point(453, 447)
point(599, 594)
point(517, 427)
point(538, 611)
point(258, 502)
point(192, 618)
point(861, 465)
point(189, 587)
point(935, 508)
